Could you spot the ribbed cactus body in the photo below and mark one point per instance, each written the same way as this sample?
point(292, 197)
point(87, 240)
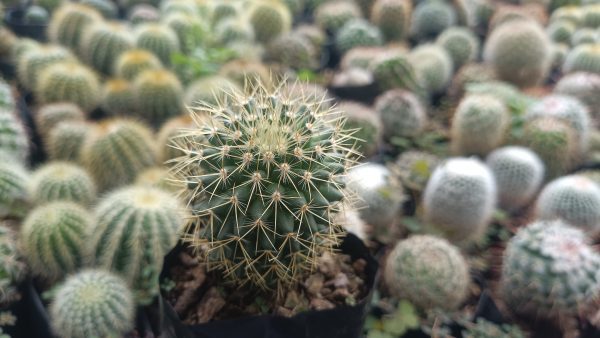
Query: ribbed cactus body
point(480, 125)
point(357, 32)
point(188, 28)
point(102, 44)
point(148, 220)
point(432, 17)
point(401, 112)
point(69, 22)
point(65, 141)
point(12, 265)
point(170, 129)
point(591, 15)
point(461, 44)
point(92, 303)
point(69, 82)
point(520, 52)
point(269, 18)
point(519, 174)
point(366, 126)
point(583, 36)
point(240, 71)
point(159, 96)
point(583, 86)
point(143, 13)
point(132, 63)
point(394, 70)
point(14, 140)
point(115, 151)
point(158, 177)
point(118, 97)
point(159, 39)
point(332, 15)
point(361, 57)
point(62, 181)
point(583, 58)
point(459, 198)
point(549, 269)
point(34, 62)
point(48, 116)
point(14, 196)
point(429, 272)
point(54, 239)
point(574, 14)
point(392, 17)
point(433, 67)
point(561, 31)
point(208, 89)
point(293, 50)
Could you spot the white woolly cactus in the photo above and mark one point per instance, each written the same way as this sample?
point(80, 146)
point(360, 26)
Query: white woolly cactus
point(574, 199)
point(460, 198)
point(549, 270)
point(429, 272)
point(62, 181)
point(401, 112)
point(92, 303)
point(519, 173)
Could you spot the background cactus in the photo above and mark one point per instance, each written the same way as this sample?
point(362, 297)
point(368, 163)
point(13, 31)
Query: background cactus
point(143, 13)
point(159, 39)
point(14, 197)
point(118, 97)
point(549, 269)
point(187, 28)
point(159, 96)
point(14, 140)
point(102, 43)
point(582, 36)
point(583, 58)
point(133, 62)
point(366, 126)
point(147, 219)
point(433, 67)
point(331, 16)
point(170, 129)
point(65, 140)
point(461, 44)
point(561, 31)
point(48, 116)
point(392, 17)
point(431, 17)
point(92, 303)
point(469, 74)
point(427, 271)
point(107, 8)
point(35, 61)
point(357, 32)
point(62, 181)
point(69, 82)
point(459, 199)
point(54, 239)
point(269, 18)
point(12, 266)
point(393, 70)
point(583, 86)
point(208, 89)
point(69, 22)
point(413, 168)
point(401, 112)
point(293, 50)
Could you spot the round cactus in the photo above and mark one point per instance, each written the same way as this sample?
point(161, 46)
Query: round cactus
point(159, 39)
point(392, 17)
point(232, 30)
point(147, 219)
point(366, 126)
point(480, 125)
point(69, 22)
point(159, 96)
point(269, 18)
point(433, 67)
point(92, 303)
point(582, 36)
point(118, 97)
point(52, 114)
point(583, 58)
point(331, 16)
point(561, 31)
point(167, 133)
point(116, 150)
point(103, 43)
point(69, 82)
point(208, 89)
point(402, 114)
point(361, 57)
point(49, 5)
point(170, 7)
point(467, 75)
point(549, 270)
point(62, 181)
point(574, 199)
point(460, 198)
point(393, 70)
point(284, 160)
point(574, 14)
point(223, 10)
point(34, 62)
point(429, 272)
point(519, 50)
point(583, 86)
point(54, 239)
point(107, 8)
point(519, 174)
point(461, 44)
point(432, 17)
point(313, 33)
point(292, 50)
point(357, 32)
point(132, 63)
point(14, 196)
point(188, 28)
point(13, 269)
point(65, 140)
point(591, 16)
point(14, 140)
point(413, 168)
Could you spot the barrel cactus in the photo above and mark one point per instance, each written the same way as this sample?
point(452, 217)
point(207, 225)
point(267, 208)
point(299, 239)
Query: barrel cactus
point(167, 150)
point(332, 15)
point(208, 89)
point(13, 269)
point(92, 303)
point(432, 17)
point(429, 272)
point(394, 70)
point(365, 124)
point(583, 36)
point(188, 29)
point(69, 22)
point(583, 58)
point(14, 196)
point(361, 57)
point(65, 140)
point(401, 112)
point(34, 62)
point(102, 43)
point(133, 62)
point(14, 140)
point(48, 116)
point(583, 86)
point(118, 97)
point(269, 19)
point(467, 75)
point(293, 50)
point(392, 17)
point(62, 181)
point(143, 13)
point(107, 8)
point(148, 219)
point(561, 31)
point(69, 82)
point(159, 96)
point(36, 15)
point(460, 198)
point(357, 32)
point(159, 39)
point(433, 67)
point(461, 43)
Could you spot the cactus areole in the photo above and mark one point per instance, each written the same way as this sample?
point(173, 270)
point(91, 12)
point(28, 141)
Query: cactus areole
point(264, 180)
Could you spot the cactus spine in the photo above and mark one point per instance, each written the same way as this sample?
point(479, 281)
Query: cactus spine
point(62, 181)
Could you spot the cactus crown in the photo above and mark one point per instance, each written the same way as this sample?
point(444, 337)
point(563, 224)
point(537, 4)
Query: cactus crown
point(272, 182)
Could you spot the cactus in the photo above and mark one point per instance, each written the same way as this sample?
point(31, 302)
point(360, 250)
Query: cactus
point(583, 58)
point(14, 140)
point(132, 63)
point(312, 92)
point(357, 32)
point(65, 140)
point(361, 57)
point(469, 74)
point(208, 89)
point(14, 196)
point(148, 220)
point(157, 177)
point(13, 269)
point(7, 100)
point(168, 132)
point(429, 272)
point(178, 6)
point(591, 16)
point(519, 174)
point(159, 96)
point(34, 62)
point(401, 112)
point(331, 16)
point(116, 150)
point(511, 13)
point(36, 15)
point(392, 17)
point(143, 13)
point(413, 168)
point(240, 71)
point(575, 199)
point(48, 116)
point(69, 82)
point(235, 29)
point(432, 17)
point(559, 54)
point(188, 28)
point(480, 125)
point(107, 8)
point(519, 52)
point(284, 160)
point(583, 36)
point(159, 39)
point(583, 86)
point(269, 19)
point(461, 44)
point(460, 198)
point(393, 70)
point(8, 40)
point(92, 303)
point(433, 67)
point(223, 10)
point(69, 22)
point(367, 126)
point(118, 97)
point(561, 31)
point(549, 270)
point(49, 5)
point(292, 50)
point(62, 181)
point(54, 239)
point(103, 43)
point(313, 33)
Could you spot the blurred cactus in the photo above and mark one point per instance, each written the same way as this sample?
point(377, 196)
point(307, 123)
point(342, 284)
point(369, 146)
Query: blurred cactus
point(132, 63)
point(159, 39)
point(65, 140)
point(103, 43)
point(461, 44)
point(401, 112)
point(12, 265)
point(48, 116)
point(35, 61)
point(69, 82)
point(583, 58)
point(413, 168)
point(432, 17)
point(159, 96)
point(583, 86)
point(332, 15)
point(69, 22)
point(269, 19)
point(62, 181)
point(357, 32)
point(118, 97)
point(14, 139)
point(392, 17)
point(433, 67)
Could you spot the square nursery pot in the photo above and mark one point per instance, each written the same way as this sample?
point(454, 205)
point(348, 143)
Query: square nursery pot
point(344, 321)
point(32, 318)
point(14, 21)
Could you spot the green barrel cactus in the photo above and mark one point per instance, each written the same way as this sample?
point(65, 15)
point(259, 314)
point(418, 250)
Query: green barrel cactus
point(232, 30)
point(401, 112)
point(549, 270)
point(460, 198)
point(14, 196)
point(583, 58)
point(65, 140)
point(591, 15)
point(14, 139)
point(49, 115)
point(103, 43)
point(357, 32)
point(432, 17)
point(394, 70)
point(519, 51)
point(366, 126)
point(62, 181)
point(519, 174)
point(574, 14)
point(429, 272)
point(208, 89)
point(13, 269)
point(69, 82)
point(413, 168)
point(293, 50)
point(170, 7)
point(461, 43)
point(54, 239)
point(392, 17)
point(118, 97)
point(159, 39)
point(189, 30)
point(269, 19)
point(223, 10)
point(133, 62)
point(158, 96)
point(271, 183)
point(561, 31)
point(148, 220)
point(312, 33)
point(575, 199)
point(92, 303)
point(107, 8)
point(433, 67)
point(157, 177)
point(583, 36)
point(34, 62)
point(583, 86)
point(480, 125)
point(332, 15)
point(69, 22)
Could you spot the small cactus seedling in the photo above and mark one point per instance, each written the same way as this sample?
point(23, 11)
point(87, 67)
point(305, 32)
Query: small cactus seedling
point(429, 272)
point(50, 115)
point(133, 62)
point(69, 81)
point(12, 266)
point(401, 112)
point(62, 181)
point(159, 96)
point(92, 303)
point(549, 270)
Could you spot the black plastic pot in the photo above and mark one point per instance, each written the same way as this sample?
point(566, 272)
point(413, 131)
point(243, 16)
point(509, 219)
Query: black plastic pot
point(14, 21)
point(341, 322)
point(365, 94)
point(32, 318)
